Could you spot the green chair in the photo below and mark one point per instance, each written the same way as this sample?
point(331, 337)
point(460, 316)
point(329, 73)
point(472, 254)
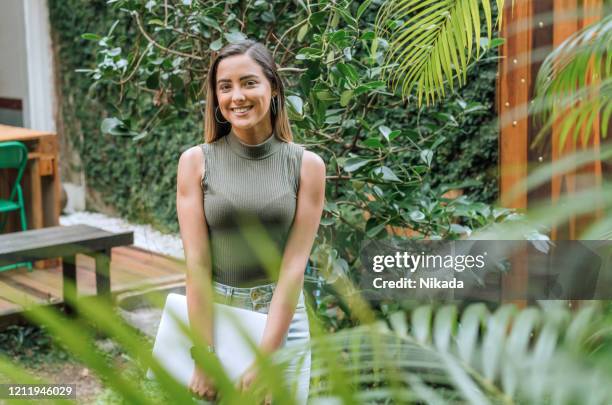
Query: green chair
point(14, 155)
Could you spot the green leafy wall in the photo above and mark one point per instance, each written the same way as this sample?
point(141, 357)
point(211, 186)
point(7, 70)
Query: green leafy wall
point(137, 178)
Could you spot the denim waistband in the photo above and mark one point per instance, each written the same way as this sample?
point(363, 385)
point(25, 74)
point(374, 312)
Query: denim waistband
point(255, 298)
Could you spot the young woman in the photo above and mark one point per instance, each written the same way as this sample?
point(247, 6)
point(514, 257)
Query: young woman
point(248, 178)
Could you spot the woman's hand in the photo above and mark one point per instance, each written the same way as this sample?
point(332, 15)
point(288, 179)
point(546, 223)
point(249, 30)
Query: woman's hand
point(202, 386)
point(248, 378)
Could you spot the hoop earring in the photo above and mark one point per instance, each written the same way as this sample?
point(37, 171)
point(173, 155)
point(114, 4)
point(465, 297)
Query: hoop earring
point(217, 119)
point(273, 106)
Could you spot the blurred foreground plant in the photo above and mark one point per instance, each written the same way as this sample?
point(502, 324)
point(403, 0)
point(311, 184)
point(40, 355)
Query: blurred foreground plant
point(430, 354)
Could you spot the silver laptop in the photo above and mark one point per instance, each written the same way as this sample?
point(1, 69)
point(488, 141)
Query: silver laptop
point(234, 328)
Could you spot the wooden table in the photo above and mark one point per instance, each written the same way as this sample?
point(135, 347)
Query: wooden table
point(40, 183)
point(66, 242)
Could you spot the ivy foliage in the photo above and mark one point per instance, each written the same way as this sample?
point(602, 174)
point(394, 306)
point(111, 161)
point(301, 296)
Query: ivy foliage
point(138, 179)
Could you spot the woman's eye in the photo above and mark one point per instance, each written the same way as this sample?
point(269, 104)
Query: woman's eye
point(224, 88)
point(251, 83)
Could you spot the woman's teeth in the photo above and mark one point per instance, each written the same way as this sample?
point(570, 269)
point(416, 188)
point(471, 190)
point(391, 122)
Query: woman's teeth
point(241, 109)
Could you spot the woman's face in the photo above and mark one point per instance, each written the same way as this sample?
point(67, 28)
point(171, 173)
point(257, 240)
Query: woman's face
point(243, 94)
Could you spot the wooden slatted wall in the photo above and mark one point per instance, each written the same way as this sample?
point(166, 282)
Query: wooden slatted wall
point(531, 29)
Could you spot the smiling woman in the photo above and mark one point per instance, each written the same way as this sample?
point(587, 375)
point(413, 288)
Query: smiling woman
point(246, 94)
point(248, 221)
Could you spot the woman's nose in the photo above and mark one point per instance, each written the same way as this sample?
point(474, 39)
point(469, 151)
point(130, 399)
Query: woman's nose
point(237, 95)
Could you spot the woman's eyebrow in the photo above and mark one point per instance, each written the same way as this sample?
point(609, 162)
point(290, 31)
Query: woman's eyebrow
point(242, 78)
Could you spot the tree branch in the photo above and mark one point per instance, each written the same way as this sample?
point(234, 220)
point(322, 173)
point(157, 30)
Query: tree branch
point(151, 40)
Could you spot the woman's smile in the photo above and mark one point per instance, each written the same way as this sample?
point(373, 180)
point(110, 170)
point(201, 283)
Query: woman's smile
point(241, 111)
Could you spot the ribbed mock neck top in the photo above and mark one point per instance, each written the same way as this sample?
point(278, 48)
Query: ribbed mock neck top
point(250, 196)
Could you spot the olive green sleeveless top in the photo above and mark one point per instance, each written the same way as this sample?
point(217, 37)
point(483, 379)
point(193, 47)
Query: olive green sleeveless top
point(250, 196)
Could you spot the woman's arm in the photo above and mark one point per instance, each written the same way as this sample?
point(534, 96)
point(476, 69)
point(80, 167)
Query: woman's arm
point(190, 211)
point(311, 195)
point(192, 222)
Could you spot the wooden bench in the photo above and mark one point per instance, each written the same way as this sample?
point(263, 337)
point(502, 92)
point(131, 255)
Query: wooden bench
point(66, 242)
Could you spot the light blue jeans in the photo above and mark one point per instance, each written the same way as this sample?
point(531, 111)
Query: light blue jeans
point(258, 299)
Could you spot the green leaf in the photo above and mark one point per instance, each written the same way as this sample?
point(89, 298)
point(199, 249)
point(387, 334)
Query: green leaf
point(386, 174)
point(91, 37)
point(578, 329)
point(114, 126)
point(362, 8)
point(348, 55)
point(426, 156)
point(309, 53)
point(325, 95)
point(333, 119)
point(302, 32)
point(561, 79)
point(374, 231)
point(327, 221)
point(496, 42)
point(140, 135)
point(156, 21)
point(469, 330)
point(373, 142)
point(367, 36)
point(425, 393)
point(430, 42)
point(234, 37)
point(446, 118)
point(346, 97)
point(494, 340)
point(354, 164)
point(338, 38)
point(398, 323)
point(216, 44)
point(444, 325)
point(385, 131)
point(211, 22)
point(472, 394)
point(394, 134)
point(348, 71)
point(296, 103)
point(461, 229)
point(114, 52)
point(375, 85)
point(317, 18)
point(417, 216)
point(421, 324)
point(373, 228)
point(516, 350)
point(473, 106)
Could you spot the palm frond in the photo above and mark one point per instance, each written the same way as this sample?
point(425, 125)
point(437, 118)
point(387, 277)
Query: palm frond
point(431, 43)
point(437, 356)
point(573, 84)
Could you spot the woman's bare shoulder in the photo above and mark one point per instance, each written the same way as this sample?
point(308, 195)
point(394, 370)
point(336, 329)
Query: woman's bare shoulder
point(311, 160)
point(312, 173)
point(191, 160)
point(194, 156)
